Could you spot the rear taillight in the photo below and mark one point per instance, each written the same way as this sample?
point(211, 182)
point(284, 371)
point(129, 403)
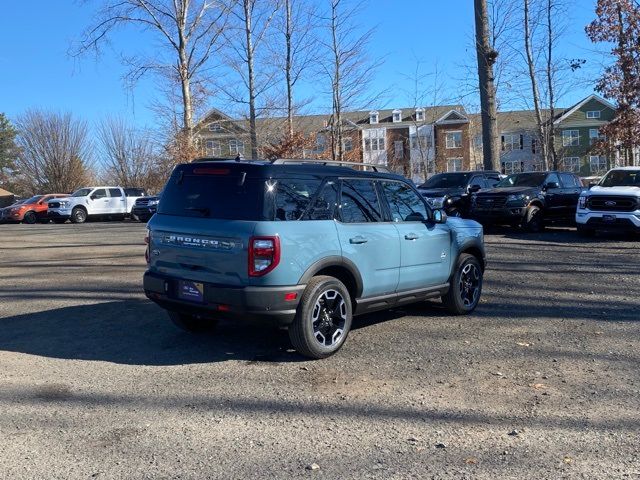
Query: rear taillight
point(264, 255)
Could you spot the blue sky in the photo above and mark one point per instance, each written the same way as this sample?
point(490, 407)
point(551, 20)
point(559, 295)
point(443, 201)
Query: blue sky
point(37, 72)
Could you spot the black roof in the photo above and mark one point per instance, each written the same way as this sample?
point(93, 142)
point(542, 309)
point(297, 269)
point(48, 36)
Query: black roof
point(266, 168)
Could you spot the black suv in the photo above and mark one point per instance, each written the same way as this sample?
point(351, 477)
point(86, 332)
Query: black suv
point(530, 200)
point(452, 191)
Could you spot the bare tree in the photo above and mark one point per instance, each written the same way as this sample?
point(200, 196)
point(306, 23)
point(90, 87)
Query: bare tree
point(55, 153)
point(346, 65)
point(127, 154)
point(486, 56)
point(188, 31)
point(251, 28)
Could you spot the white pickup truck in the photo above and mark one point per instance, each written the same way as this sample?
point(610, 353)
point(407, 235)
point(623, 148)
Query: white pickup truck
point(614, 203)
point(113, 202)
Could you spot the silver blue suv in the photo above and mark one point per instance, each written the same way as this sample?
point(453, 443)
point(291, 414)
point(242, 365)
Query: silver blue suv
point(305, 245)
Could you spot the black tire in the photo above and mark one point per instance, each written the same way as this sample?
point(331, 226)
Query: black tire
point(59, 220)
point(192, 323)
point(584, 231)
point(323, 320)
point(30, 217)
point(465, 286)
point(533, 220)
point(78, 215)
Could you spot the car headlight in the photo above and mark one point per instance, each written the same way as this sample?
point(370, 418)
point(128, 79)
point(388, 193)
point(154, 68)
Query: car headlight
point(517, 197)
point(582, 202)
point(153, 202)
point(436, 202)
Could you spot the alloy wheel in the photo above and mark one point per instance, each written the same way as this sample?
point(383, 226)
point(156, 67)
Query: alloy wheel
point(469, 284)
point(329, 317)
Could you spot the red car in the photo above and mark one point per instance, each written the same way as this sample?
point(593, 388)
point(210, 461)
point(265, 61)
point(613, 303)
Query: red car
point(32, 210)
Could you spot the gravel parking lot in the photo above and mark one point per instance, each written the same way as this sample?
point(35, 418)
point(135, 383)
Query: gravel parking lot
point(543, 381)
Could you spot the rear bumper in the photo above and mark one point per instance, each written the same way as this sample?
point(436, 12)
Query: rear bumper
point(264, 303)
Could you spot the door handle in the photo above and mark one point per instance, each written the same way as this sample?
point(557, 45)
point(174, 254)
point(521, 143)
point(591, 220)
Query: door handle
point(358, 240)
point(411, 236)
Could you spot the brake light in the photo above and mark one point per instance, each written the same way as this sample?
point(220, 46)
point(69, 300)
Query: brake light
point(211, 171)
point(264, 255)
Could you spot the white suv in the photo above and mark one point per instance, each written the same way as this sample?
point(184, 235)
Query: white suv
point(614, 203)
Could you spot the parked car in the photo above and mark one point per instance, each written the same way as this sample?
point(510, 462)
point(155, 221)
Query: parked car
point(145, 207)
point(5, 211)
point(614, 203)
point(452, 191)
point(32, 209)
point(531, 200)
point(92, 202)
point(304, 245)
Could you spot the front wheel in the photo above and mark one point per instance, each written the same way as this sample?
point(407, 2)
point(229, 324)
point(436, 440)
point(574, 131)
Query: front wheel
point(191, 323)
point(533, 221)
point(465, 286)
point(324, 317)
point(30, 218)
point(78, 215)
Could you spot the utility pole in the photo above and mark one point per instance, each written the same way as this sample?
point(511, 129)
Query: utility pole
point(486, 59)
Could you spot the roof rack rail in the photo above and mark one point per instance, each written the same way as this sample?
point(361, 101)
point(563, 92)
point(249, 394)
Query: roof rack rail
point(223, 159)
point(372, 166)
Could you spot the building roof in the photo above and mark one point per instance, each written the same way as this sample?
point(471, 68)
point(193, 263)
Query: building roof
point(515, 120)
point(575, 107)
point(5, 193)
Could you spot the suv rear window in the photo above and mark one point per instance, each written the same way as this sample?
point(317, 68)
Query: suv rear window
point(213, 196)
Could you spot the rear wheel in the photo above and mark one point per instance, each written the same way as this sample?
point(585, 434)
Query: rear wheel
point(30, 218)
point(324, 317)
point(192, 323)
point(465, 286)
point(78, 215)
point(533, 221)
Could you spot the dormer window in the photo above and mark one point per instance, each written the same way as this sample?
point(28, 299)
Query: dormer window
point(373, 118)
point(397, 116)
point(419, 114)
point(593, 114)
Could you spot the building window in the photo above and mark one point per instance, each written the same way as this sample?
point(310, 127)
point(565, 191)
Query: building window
point(453, 139)
point(477, 141)
point(236, 147)
point(571, 164)
point(593, 114)
point(397, 116)
point(509, 168)
point(595, 136)
point(511, 141)
point(398, 150)
point(419, 114)
point(598, 164)
point(373, 118)
point(534, 144)
point(454, 165)
point(570, 138)
point(213, 148)
point(321, 143)
point(347, 144)
point(215, 127)
point(373, 144)
point(421, 141)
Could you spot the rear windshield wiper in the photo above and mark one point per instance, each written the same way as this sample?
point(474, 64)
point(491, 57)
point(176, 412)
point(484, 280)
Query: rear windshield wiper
point(203, 210)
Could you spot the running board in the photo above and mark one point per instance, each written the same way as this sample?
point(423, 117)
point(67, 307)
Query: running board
point(383, 302)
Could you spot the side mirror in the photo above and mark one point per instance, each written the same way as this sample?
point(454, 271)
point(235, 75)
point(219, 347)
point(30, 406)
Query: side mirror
point(474, 188)
point(93, 197)
point(439, 216)
point(552, 185)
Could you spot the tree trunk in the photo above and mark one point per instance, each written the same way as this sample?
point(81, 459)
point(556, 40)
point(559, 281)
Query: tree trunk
point(534, 87)
point(551, 128)
point(486, 58)
point(185, 83)
point(252, 94)
point(337, 99)
point(288, 69)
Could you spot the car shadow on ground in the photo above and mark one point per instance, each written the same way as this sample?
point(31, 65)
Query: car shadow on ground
point(563, 235)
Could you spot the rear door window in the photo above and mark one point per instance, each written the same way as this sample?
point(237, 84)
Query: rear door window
point(568, 180)
point(115, 192)
point(324, 206)
point(359, 202)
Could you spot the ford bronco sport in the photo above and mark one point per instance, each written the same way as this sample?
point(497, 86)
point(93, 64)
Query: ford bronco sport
point(306, 245)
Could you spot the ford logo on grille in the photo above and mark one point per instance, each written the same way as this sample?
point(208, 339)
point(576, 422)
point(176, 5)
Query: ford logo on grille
point(610, 203)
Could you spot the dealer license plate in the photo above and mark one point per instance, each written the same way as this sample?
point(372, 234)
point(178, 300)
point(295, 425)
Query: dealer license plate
point(608, 218)
point(191, 291)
